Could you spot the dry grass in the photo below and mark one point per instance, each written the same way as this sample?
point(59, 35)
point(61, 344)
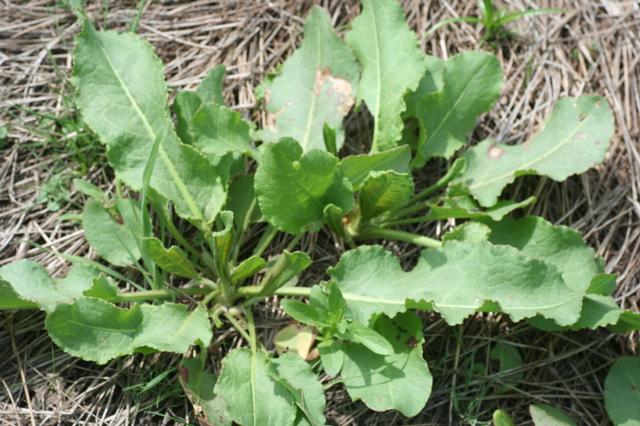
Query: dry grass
point(594, 48)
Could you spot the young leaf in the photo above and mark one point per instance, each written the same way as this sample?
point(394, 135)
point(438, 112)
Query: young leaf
point(303, 384)
point(502, 418)
point(316, 87)
point(303, 312)
point(546, 415)
point(383, 192)
point(252, 395)
point(456, 280)
point(114, 242)
point(399, 381)
point(622, 392)
point(198, 384)
point(172, 260)
point(293, 189)
point(332, 356)
point(243, 203)
point(30, 282)
point(574, 138)
point(509, 358)
point(210, 88)
point(356, 168)
point(392, 64)
point(286, 268)
point(370, 339)
point(472, 82)
point(247, 268)
point(96, 330)
point(123, 97)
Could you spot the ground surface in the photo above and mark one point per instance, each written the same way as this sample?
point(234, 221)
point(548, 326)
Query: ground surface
point(594, 48)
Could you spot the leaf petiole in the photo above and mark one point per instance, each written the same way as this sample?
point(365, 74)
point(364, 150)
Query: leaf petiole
point(374, 232)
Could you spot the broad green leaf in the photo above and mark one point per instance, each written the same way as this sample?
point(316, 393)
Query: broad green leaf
point(198, 384)
point(456, 280)
point(210, 89)
point(622, 392)
point(9, 299)
point(115, 242)
point(465, 207)
point(296, 338)
point(468, 231)
point(603, 284)
point(558, 245)
point(102, 288)
point(316, 87)
point(508, 358)
point(432, 81)
point(384, 192)
point(472, 82)
point(293, 189)
point(368, 338)
point(243, 203)
point(303, 312)
point(303, 384)
point(123, 97)
point(392, 65)
point(247, 268)
point(172, 260)
point(400, 381)
point(218, 130)
point(574, 138)
point(578, 263)
point(30, 282)
point(253, 397)
point(170, 327)
point(185, 106)
point(332, 356)
point(96, 330)
point(628, 321)
point(502, 418)
point(356, 168)
point(546, 415)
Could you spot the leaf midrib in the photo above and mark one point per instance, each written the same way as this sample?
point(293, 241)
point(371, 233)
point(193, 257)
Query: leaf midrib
point(314, 97)
point(376, 128)
point(455, 104)
point(526, 166)
point(163, 155)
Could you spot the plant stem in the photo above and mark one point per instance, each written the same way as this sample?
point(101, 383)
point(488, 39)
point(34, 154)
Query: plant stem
point(236, 324)
point(141, 296)
point(456, 168)
point(269, 232)
point(254, 290)
point(372, 232)
point(248, 291)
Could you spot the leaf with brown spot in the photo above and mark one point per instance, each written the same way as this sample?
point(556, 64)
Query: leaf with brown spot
point(570, 143)
point(316, 87)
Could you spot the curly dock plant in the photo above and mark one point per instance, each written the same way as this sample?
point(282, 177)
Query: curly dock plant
point(193, 186)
